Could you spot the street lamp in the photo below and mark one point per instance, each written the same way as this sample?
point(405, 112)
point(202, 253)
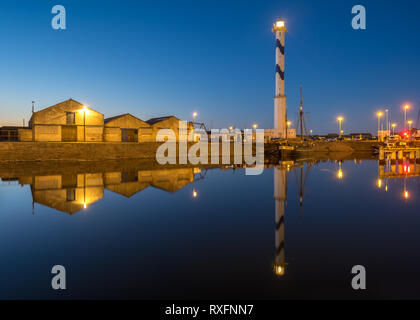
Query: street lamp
point(255, 126)
point(84, 110)
point(387, 119)
point(394, 125)
point(194, 116)
point(289, 124)
point(410, 122)
point(340, 119)
point(379, 114)
point(406, 108)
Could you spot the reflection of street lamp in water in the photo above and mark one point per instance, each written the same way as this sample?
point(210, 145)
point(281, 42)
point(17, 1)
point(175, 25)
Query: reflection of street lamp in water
point(406, 194)
point(340, 172)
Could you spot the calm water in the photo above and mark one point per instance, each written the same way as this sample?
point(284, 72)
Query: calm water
point(191, 233)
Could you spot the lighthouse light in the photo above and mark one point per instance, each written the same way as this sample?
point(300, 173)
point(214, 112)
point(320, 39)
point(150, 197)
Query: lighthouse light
point(280, 24)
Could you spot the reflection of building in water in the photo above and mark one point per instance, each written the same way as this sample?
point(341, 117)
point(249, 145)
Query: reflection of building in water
point(391, 169)
point(66, 193)
point(71, 193)
point(280, 196)
point(130, 183)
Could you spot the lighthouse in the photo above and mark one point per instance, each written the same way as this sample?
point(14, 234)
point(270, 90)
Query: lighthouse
point(280, 110)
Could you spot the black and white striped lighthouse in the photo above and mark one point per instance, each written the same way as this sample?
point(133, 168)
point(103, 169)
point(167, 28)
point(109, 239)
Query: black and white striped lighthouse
point(280, 109)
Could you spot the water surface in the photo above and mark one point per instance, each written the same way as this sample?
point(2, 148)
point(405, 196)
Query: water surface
point(295, 231)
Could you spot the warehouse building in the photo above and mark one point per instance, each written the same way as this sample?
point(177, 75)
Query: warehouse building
point(127, 128)
point(68, 121)
point(170, 122)
point(71, 121)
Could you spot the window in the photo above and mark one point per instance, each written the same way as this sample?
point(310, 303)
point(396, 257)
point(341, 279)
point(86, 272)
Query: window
point(71, 118)
point(71, 195)
point(131, 176)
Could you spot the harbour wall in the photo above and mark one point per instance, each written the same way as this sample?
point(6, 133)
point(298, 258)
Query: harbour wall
point(80, 151)
point(45, 151)
point(100, 151)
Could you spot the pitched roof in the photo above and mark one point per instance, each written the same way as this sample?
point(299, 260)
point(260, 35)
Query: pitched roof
point(156, 120)
point(119, 116)
point(57, 104)
point(123, 117)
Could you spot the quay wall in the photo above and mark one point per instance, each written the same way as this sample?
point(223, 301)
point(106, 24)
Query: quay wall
point(99, 151)
point(44, 151)
point(80, 151)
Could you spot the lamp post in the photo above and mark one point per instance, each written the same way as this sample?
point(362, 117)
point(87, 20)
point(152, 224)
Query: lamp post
point(393, 128)
point(84, 122)
point(340, 120)
point(379, 114)
point(406, 107)
point(194, 116)
point(255, 126)
point(387, 120)
point(289, 124)
point(410, 122)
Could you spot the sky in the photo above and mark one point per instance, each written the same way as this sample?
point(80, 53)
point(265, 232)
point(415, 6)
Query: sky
point(157, 58)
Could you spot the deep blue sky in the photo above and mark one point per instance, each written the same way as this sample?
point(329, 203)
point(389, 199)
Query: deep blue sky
point(158, 58)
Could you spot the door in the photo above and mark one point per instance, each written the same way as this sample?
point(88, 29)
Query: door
point(129, 135)
point(69, 133)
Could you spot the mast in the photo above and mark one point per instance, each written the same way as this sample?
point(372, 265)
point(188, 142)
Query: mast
point(301, 113)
